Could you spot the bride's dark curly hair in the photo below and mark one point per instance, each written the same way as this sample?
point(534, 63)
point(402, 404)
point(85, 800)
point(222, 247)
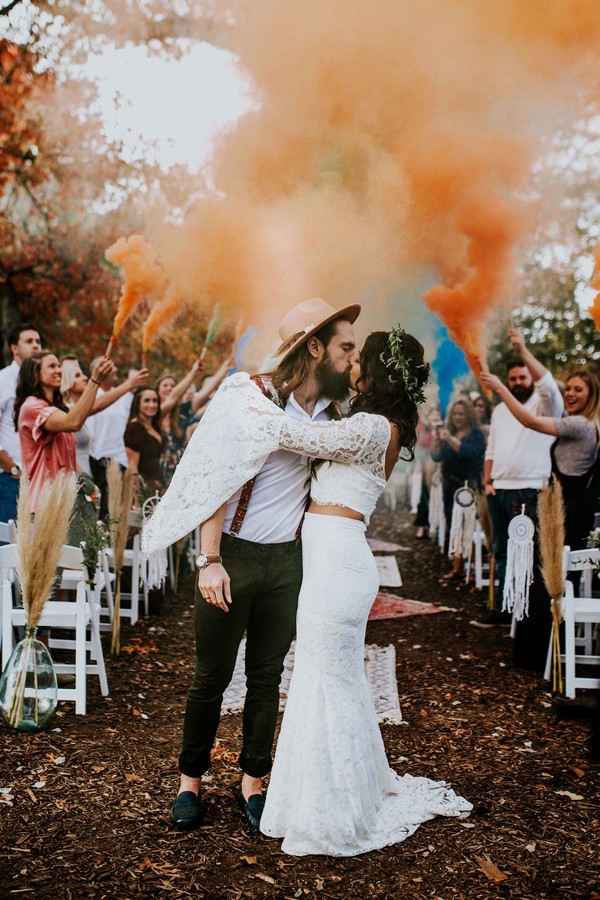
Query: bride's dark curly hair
point(393, 373)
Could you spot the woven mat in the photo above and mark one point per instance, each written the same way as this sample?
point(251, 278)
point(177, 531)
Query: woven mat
point(389, 606)
point(378, 546)
point(388, 571)
point(380, 666)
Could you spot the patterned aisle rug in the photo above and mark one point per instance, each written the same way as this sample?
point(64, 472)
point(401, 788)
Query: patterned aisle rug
point(388, 571)
point(378, 546)
point(380, 666)
point(389, 606)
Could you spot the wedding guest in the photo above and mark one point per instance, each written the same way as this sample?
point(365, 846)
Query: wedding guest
point(575, 452)
point(177, 414)
point(459, 447)
point(45, 424)
point(483, 411)
point(426, 435)
point(143, 438)
point(109, 428)
point(23, 341)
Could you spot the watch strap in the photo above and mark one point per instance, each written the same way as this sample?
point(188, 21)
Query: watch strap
point(209, 560)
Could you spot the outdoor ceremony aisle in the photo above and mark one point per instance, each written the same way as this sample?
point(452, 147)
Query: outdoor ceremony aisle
point(84, 804)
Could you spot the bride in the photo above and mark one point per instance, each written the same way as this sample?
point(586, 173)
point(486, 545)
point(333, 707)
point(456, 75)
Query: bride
point(331, 790)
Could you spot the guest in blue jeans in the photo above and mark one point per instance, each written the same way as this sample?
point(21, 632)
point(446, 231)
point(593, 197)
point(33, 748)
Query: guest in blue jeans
point(517, 459)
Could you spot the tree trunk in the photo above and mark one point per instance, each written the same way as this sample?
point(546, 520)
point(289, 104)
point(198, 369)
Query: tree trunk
point(9, 317)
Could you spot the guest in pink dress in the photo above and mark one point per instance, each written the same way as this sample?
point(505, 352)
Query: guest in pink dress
point(45, 423)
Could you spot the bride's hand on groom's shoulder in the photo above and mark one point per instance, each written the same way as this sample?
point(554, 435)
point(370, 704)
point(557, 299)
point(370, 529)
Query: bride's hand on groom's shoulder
point(214, 586)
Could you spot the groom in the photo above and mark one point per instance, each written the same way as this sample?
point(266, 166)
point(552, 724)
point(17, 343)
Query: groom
point(250, 567)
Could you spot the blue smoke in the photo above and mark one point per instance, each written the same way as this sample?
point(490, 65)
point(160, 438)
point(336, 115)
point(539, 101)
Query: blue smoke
point(449, 363)
point(248, 334)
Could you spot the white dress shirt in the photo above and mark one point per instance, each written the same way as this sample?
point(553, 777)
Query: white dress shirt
point(9, 437)
point(108, 427)
point(281, 488)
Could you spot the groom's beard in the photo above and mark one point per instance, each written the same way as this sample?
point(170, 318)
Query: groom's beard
point(332, 384)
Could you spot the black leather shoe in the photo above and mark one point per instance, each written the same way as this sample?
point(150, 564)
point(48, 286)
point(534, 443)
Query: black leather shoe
point(252, 808)
point(187, 812)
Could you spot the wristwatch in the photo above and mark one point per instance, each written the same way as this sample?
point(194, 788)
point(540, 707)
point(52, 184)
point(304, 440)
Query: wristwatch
point(15, 471)
point(202, 560)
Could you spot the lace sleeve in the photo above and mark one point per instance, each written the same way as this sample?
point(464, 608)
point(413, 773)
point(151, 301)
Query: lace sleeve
point(231, 444)
point(362, 437)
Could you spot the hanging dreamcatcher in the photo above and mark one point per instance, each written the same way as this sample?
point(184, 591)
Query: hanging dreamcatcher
point(437, 519)
point(519, 566)
point(157, 562)
point(464, 513)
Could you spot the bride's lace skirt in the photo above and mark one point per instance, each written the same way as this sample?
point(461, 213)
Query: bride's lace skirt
point(331, 790)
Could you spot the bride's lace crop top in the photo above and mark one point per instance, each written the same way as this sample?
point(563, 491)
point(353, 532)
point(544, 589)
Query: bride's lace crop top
point(239, 430)
point(347, 484)
point(354, 475)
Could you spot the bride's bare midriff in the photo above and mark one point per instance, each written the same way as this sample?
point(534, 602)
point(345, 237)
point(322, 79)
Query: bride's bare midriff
point(342, 511)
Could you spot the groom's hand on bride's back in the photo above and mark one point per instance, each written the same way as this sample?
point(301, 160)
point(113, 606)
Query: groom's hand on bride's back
point(214, 586)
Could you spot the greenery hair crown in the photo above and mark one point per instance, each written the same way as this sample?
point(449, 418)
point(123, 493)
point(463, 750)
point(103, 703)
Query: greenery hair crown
point(401, 364)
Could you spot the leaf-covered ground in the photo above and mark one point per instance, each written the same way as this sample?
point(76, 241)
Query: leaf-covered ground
point(84, 805)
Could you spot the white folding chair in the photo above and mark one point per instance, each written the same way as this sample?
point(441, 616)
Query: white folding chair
point(581, 615)
point(480, 557)
point(7, 532)
point(77, 616)
point(132, 559)
point(7, 536)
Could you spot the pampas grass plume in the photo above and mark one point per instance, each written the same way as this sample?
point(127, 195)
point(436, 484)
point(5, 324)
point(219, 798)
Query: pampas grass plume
point(552, 538)
point(39, 548)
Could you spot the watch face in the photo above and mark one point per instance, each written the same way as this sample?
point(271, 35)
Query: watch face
point(201, 560)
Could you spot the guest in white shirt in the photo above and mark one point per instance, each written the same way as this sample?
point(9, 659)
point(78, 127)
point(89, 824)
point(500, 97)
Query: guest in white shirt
point(23, 341)
point(109, 426)
point(517, 459)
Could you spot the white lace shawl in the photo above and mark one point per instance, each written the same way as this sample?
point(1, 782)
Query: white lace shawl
point(239, 430)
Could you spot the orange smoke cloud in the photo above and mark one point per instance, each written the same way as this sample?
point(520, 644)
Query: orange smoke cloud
point(388, 140)
point(594, 309)
point(143, 276)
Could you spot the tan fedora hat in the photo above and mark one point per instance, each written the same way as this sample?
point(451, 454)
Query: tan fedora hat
point(306, 319)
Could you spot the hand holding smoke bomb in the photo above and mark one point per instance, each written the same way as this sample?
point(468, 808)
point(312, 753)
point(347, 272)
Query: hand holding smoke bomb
point(212, 330)
point(483, 369)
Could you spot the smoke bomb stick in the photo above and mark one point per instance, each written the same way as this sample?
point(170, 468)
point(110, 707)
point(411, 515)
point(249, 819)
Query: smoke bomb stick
point(110, 346)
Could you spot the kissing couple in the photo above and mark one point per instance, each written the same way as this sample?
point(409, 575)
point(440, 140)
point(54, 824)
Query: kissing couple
point(283, 486)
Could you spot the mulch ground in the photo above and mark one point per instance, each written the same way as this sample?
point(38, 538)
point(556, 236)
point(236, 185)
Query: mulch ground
point(84, 805)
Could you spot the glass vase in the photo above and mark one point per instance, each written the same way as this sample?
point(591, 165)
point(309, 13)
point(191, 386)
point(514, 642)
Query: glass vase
point(28, 688)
